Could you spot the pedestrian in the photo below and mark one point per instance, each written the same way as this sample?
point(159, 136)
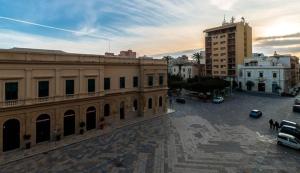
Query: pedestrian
point(271, 123)
point(276, 125)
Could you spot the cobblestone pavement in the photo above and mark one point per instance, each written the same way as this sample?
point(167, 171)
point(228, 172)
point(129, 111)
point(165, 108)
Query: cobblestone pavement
point(198, 137)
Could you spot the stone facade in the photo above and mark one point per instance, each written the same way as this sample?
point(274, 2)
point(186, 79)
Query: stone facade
point(274, 74)
point(136, 87)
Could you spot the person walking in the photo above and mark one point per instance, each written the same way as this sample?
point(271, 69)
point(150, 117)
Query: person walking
point(276, 125)
point(271, 123)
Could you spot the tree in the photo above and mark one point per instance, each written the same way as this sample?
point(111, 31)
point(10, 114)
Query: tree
point(197, 57)
point(168, 58)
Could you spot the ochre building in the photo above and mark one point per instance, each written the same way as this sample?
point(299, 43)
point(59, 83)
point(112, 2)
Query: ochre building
point(226, 47)
point(48, 95)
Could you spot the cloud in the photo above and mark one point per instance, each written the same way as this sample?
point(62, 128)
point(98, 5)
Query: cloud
point(295, 35)
point(83, 32)
point(223, 4)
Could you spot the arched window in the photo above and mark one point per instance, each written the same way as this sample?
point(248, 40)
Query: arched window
point(150, 103)
point(135, 105)
point(160, 101)
point(69, 123)
point(106, 110)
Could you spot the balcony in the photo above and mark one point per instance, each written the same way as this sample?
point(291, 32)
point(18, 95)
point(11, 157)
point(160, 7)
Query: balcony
point(12, 103)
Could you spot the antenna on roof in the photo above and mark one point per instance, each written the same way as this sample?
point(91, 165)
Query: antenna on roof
point(224, 21)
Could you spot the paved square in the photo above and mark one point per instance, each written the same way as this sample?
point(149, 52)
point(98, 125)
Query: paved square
point(198, 137)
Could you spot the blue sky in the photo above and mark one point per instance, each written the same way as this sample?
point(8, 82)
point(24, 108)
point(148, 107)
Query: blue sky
point(146, 26)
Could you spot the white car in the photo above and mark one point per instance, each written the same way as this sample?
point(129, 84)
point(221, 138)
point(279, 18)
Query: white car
point(218, 100)
point(288, 140)
point(297, 101)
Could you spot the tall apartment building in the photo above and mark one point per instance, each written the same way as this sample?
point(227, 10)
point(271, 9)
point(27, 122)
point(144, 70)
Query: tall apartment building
point(46, 93)
point(226, 47)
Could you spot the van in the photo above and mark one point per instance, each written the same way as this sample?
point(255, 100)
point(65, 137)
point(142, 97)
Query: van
point(290, 130)
point(288, 140)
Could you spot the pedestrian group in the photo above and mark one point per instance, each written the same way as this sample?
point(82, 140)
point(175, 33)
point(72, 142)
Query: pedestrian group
point(274, 125)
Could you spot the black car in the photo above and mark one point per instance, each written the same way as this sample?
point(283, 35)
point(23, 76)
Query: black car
point(296, 108)
point(180, 100)
point(290, 130)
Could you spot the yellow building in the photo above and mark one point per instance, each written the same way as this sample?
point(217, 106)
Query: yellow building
point(226, 47)
point(46, 95)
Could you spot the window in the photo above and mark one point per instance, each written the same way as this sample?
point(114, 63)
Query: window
point(174, 70)
point(106, 83)
point(274, 75)
point(215, 43)
point(150, 103)
point(216, 49)
point(135, 81)
point(150, 80)
point(106, 110)
point(160, 101)
point(183, 69)
point(11, 91)
point(249, 74)
point(261, 74)
point(135, 105)
point(122, 82)
point(69, 87)
point(223, 54)
point(91, 86)
point(43, 89)
point(161, 80)
point(223, 42)
point(216, 54)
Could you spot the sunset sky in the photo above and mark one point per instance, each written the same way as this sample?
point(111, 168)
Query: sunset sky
point(147, 26)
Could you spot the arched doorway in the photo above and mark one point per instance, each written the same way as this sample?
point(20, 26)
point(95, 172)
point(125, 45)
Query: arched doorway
point(122, 111)
point(43, 128)
point(261, 87)
point(69, 123)
point(160, 101)
point(106, 110)
point(91, 118)
point(11, 135)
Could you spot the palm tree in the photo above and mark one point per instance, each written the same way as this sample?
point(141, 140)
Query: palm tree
point(168, 58)
point(198, 56)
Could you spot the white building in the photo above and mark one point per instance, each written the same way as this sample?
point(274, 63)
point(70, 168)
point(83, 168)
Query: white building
point(189, 70)
point(274, 74)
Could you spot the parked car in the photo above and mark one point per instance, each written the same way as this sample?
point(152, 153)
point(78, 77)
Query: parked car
point(218, 100)
point(297, 101)
point(180, 100)
point(288, 140)
point(287, 95)
point(288, 123)
point(296, 108)
point(290, 130)
point(255, 114)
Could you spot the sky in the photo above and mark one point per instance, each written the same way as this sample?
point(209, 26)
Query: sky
point(149, 27)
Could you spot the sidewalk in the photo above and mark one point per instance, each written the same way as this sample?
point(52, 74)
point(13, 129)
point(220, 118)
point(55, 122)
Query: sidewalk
point(20, 154)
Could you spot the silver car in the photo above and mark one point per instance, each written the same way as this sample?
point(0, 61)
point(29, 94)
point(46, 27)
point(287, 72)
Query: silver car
point(288, 140)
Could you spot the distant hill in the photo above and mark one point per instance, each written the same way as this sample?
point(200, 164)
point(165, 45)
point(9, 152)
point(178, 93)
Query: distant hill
point(176, 54)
